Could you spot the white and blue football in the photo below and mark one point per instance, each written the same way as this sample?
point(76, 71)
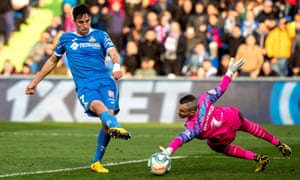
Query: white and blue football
point(159, 164)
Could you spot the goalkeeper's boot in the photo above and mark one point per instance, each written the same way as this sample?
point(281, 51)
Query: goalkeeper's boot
point(262, 161)
point(284, 149)
point(119, 133)
point(97, 167)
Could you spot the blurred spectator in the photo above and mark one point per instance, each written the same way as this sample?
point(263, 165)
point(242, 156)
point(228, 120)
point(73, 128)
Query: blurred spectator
point(207, 70)
point(233, 40)
point(131, 59)
point(267, 12)
point(116, 23)
point(47, 53)
point(253, 56)
point(212, 9)
point(222, 69)
point(249, 25)
point(99, 17)
point(54, 28)
point(174, 49)
point(26, 70)
point(295, 61)
point(2, 33)
point(8, 69)
point(241, 10)
point(191, 40)
point(260, 35)
point(199, 17)
point(278, 48)
point(60, 70)
point(7, 23)
point(280, 9)
point(292, 7)
point(213, 54)
point(195, 60)
point(67, 18)
point(231, 20)
point(95, 2)
point(138, 30)
point(130, 7)
point(152, 20)
point(160, 6)
point(295, 57)
point(147, 68)
point(267, 71)
point(38, 49)
point(258, 7)
point(182, 17)
point(162, 29)
point(175, 9)
point(22, 11)
point(214, 31)
point(33, 66)
point(73, 3)
point(150, 47)
point(201, 32)
point(56, 38)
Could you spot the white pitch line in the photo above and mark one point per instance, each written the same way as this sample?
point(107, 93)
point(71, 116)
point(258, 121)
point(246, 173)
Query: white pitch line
point(112, 164)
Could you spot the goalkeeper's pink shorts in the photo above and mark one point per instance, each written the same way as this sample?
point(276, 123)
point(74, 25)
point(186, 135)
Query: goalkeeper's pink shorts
point(221, 129)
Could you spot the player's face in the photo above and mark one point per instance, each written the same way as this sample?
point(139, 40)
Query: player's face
point(184, 112)
point(83, 24)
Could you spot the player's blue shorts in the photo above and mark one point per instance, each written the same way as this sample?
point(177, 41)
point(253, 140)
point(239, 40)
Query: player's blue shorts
point(104, 89)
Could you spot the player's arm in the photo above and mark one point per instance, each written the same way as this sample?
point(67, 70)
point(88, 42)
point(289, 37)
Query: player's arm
point(217, 92)
point(186, 136)
point(115, 56)
point(46, 69)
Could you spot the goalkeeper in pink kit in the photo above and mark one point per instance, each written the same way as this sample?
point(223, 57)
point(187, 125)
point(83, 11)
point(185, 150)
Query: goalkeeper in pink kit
point(218, 125)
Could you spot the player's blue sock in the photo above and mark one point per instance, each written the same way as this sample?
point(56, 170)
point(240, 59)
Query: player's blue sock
point(109, 120)
point(102, 142)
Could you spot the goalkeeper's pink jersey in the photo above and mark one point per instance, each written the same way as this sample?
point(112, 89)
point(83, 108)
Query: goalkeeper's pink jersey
point(208, 122)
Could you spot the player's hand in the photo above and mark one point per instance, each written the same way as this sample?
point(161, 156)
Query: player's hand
point(30, 89)
point(116, 71)
point(117, 75)
point(166, 151)
point(234, 67)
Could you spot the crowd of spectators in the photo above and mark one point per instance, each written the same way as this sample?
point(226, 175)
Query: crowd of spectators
point(189, 38)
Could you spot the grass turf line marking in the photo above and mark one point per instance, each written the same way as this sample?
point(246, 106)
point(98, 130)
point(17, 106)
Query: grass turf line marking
point(109, 164)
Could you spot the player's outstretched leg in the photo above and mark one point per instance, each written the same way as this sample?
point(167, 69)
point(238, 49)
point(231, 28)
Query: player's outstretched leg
point(119, 133)
point(115, 130)
point(97, 167)
point(284, 149)
point(262, 162)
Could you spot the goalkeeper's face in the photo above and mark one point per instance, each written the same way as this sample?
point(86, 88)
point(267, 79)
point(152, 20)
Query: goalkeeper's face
point(184, 111)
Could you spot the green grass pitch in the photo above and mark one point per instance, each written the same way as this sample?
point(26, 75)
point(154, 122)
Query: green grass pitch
point(64, 150)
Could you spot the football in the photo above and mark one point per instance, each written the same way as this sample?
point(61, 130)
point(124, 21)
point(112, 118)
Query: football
point(159, 164)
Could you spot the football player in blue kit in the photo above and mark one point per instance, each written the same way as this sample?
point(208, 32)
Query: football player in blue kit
point(86, 49)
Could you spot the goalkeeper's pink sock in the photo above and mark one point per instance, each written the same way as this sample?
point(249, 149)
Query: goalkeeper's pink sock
point(258, 131)
point(239, 152)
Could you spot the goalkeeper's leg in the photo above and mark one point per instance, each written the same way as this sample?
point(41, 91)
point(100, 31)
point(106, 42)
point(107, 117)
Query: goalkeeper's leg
point(258, 131)
point(239, 152)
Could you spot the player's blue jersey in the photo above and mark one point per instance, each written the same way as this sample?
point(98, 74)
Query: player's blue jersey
point(85, 54)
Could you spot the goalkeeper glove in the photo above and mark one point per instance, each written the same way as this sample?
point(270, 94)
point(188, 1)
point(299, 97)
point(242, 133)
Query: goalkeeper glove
point(233, 67)
point(167, 151)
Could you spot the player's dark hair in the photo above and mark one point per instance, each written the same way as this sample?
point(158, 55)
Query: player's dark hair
point(190, 100)
point(80, 10)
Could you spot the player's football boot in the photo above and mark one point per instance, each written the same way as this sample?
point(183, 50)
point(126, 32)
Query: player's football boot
point(262, 161)
point(284, 149)
point(97, 167)
point(119, 133)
